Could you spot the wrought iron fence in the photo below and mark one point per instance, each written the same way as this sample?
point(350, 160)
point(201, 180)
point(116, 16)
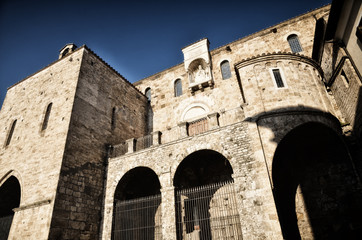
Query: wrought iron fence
point(144, 142)
point(197, 127)
point(208, 212)
point(138, 219)
point(119, 150)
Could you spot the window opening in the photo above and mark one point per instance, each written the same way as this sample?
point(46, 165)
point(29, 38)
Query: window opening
point(178, 87)
point(294, 43)
point(278, 78)
point(148, 94)
point(10, 133)
point(113, 119)
point(46, 117)
point(225, 70)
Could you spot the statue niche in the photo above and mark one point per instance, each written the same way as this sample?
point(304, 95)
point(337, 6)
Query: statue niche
point(199, 73)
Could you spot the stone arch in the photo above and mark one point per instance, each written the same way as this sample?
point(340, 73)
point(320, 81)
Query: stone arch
point(195, 110)
point(10, 197)
point(201, 168)
point(16, 174)
point(136, 183)
point(314, 184)
point(293, 117)
point(136, 208)
point(205, 197)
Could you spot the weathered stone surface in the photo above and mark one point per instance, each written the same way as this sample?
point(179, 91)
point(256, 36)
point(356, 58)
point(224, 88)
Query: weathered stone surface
point(102, 129)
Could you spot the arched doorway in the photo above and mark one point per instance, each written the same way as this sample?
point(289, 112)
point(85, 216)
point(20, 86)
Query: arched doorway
point(205, 198)
point(9, 199)
point(314, 185)
point(137, 212)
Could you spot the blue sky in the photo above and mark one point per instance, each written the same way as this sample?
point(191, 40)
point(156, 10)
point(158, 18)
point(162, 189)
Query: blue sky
point(137, 38)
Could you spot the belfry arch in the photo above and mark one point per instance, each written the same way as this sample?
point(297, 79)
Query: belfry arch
point(205, 198)
point(314, 184)
point(10, 194)
point(136, 209)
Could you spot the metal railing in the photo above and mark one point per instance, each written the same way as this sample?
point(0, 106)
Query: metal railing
point(119, 149)
point(144, 142)
point(138, 219)
point(208, 212)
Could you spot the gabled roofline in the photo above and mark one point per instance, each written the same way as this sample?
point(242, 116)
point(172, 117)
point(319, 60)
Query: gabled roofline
point(76, 50)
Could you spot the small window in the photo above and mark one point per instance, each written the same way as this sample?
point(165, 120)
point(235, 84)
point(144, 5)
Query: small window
point(10, 133)
point(278, 78)
point(113, 119)
point(225, 70)
point(178, 87)
point(46, 117)
point(294, 43)
point(148, 94)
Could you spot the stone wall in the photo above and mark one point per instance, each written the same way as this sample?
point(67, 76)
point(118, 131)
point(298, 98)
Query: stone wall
point(215, 99)
point(255, 202)
point(107, 110)
point(34, 156)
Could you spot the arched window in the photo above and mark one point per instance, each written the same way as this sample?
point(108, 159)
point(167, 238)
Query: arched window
point(178, 87)
point(225, 70)
point(279, 81)
point(148, 94)
point(46, 117)
point(10, 133)
point(294, 43)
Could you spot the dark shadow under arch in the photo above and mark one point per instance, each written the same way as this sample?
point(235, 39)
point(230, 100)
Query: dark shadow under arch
point(205, 198)
point(313, 157)
point(136, 209)
point(201, 168)
point(9, 199)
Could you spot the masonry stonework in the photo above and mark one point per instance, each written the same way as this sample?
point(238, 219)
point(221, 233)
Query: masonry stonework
point(257, 142)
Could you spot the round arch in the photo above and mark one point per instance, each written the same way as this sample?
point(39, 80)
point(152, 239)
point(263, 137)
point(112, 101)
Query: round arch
point(313, 178)
point(136, 183)
point(10, 196)
point(205, 197)
point(201, 168)
point(136, 208)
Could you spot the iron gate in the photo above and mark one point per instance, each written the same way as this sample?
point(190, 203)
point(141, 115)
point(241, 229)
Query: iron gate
point(138, 219)
point(208, 212)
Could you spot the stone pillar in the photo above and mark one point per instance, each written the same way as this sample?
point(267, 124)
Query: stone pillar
point(213, 120)
point(168, 213)
point(156, 138)
point(131, 145)
point(183, 129)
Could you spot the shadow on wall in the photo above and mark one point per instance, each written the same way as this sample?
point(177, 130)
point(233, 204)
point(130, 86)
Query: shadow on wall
point(315, 184)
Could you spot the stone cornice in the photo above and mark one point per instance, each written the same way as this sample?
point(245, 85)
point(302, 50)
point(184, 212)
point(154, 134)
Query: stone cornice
point(279, 56)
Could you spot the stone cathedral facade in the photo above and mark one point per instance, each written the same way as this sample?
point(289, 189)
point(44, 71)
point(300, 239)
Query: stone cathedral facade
point(257, 139)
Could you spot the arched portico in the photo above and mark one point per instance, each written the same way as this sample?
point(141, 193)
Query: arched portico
point(205, 197)
point(314, 184)
point(136, 210)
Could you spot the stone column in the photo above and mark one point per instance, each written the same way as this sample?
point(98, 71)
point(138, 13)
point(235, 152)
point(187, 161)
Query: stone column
point(213, 121)
point(131, 145)
point(168, 213)
point(183, 129)
point(156, 138)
